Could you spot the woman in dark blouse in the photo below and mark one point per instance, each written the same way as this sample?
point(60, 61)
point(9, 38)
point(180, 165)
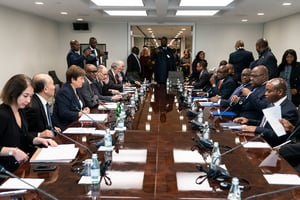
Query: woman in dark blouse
point(16, 144)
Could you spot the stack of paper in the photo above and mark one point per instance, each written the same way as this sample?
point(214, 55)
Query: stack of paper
point(63, 153)
point(108, 106)
point(14, 183)
point(93, 118)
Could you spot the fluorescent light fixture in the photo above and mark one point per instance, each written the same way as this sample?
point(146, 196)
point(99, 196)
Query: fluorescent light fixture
point(118, 2)
point(39, 3)
point(126, 12)
point(260, 14)
point(205, 2)
point(79, 19)
point(286, 4)
point(244, 20)
point(63, 13)
point(196, 12)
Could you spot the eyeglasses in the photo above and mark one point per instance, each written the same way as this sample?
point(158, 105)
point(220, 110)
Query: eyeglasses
point(256, 75)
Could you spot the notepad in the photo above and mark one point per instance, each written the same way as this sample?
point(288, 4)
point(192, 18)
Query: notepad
point(108, 106)
point(209, 104)
point(93, 118)
point(225, 114)
point(14, 183)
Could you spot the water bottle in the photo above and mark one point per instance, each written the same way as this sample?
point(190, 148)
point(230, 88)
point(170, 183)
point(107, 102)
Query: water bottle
point(215, 156)
point(234, 192)
point(118, 110)
point(108, 140)
point(95, 169)
point(200, 116)
point(206, 131)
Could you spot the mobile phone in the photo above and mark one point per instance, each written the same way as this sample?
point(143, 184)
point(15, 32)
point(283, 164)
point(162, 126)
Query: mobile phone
point(44, 168)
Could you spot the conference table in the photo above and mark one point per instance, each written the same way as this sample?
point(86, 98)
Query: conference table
point(155, 160)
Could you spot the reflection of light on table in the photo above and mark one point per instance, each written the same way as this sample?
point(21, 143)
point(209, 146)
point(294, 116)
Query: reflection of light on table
point(149, 117)
point(150, 109)
point(183, 127)
point(147, 126)
point(83, 139)
point(181, 117)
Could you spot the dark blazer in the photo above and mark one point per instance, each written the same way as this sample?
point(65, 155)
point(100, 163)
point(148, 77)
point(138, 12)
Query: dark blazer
point(92, 59)
point(202, 82)
point(226, 89)
point(101, 87)
point(289, 112)
point(73, 58)
point(240, 59)
point(66, 106)
point(134, 67)
point(13, 136)
point(36, 116)
point(267, 59)
point(237, 91)
point(112, 77)
point(252, 106)
point(89, 93)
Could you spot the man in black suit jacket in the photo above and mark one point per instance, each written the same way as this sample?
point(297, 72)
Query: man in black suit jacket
point(240, 59)
point(74, 58)
point(222, 84)
point(201, 82)
point(276, 95)
point(134, 68)
point(266, 58)
point(37, 117)
point(94, 57)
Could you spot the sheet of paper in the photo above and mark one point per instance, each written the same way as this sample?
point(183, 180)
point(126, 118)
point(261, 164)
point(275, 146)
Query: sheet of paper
point(186, 182)
point(79, 130)
point(14, 183)
point(102, 132)
point(188, 156)
point(273, 114)
point(62, 153)
point(209, 104)
point(256, 145)
point(282, 179)
point(231, 125)
point(270, 160)
point(108, 106)
point(120, 180)
point(130, 155)
point(93, 118)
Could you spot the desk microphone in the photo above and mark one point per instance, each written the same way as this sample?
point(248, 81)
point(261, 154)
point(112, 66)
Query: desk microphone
point(272, 192)
point(3, 170)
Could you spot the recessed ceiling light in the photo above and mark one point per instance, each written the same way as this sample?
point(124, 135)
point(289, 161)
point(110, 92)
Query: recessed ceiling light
point(205, 2)
point(260, 14)
point(126, 12)
point(196, 12)
point(244, 20)
point(118, 2)
point(63, 13)
point(286, 4)
point(79, 19)
point(39, 3)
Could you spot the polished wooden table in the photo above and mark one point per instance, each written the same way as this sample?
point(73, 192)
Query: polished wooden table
point(160, 171)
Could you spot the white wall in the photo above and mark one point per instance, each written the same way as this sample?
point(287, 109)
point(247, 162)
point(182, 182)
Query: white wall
point(218, 41)
point(283, 34)
point(28, 44)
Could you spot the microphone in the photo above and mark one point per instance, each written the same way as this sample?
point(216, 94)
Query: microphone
point(272, 192)
point(3, 170)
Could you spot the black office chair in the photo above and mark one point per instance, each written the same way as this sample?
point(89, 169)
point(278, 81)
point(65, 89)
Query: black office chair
point(56, 80)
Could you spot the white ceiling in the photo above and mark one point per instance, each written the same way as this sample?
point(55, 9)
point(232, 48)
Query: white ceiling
point(159, 12)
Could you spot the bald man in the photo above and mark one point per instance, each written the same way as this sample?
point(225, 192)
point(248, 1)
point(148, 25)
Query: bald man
point(39, 121)
point(275, 94)
point(74, 57)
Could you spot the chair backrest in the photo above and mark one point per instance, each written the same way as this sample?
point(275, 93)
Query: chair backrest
point(56, 80)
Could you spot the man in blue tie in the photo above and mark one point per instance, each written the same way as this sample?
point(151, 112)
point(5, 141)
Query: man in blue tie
point(38, 113)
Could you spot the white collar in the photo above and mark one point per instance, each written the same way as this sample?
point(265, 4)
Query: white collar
point(42, 99)
point(277, 103)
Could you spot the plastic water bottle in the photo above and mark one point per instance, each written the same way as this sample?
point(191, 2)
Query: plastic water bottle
point(206, 131)
point(215, 156)
point(200, 116)
point(95, 169)
point(234, 192)
point(108, 140)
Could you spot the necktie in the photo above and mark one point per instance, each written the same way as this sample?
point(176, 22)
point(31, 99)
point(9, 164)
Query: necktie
point(116, 78)
point(49, 115)
point(220, 84)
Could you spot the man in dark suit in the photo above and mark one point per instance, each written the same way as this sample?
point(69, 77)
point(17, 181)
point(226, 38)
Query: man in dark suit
point(38, 115)
point(222, 84)
point(276, 95)
point(252, 100)
point(134, 68)
point(74, 58)
point(94, 57)
point(240, 59)
point(164, 61)
point(266, 58)
point(202, 82)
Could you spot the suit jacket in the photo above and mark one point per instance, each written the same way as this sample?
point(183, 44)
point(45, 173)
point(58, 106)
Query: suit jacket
point(202, 82)
point(92, 59)
point(240, 59)
point(252, 106)
point(112, 77)
point(36, 116)
point(267, 59)
point(237, 91)
point(227, 87)
point(66, 106)
point(73, 58)
point(134, 67)
point(89, 93)
point(289, 112)
point(13, 136)
point(101, 87)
